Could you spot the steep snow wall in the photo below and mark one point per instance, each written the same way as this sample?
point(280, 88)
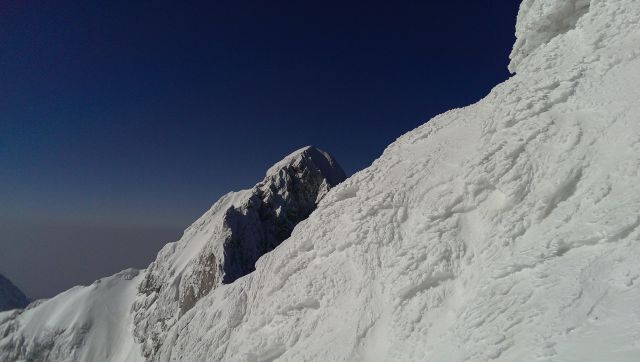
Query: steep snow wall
point(539, 21)
point(506, 230)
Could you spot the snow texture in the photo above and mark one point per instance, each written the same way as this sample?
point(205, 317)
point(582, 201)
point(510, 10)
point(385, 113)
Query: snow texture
point(539, 21)
point(10, 296)
point(508, 230)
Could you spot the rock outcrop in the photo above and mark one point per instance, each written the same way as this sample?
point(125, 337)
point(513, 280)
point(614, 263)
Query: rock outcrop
point(225, 243)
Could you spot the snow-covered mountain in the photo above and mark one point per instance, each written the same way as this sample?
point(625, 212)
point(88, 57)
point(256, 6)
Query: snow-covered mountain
point(10, 296)
point(105, 320)
point(507, 230)
point(225, 243)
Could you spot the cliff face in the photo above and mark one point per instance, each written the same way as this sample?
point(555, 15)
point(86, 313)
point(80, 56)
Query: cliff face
point(226, 242)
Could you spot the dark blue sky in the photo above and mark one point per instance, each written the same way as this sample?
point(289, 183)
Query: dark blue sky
point(122, 121)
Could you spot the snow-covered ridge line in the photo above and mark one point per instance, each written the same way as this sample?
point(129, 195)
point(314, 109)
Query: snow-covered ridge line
point(224, 244)
point(99, 322)
point(89, 323)
point(507, 230)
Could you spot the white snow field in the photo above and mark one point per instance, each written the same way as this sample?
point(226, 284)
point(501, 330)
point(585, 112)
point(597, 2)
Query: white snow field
point(507, 230)
point(82, 324)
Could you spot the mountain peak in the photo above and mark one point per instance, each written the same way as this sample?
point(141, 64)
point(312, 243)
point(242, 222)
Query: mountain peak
point(312, 157)
point(226, 242)
point(10, 296)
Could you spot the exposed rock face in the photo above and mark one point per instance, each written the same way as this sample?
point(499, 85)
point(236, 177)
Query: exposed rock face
point(225, 243)
point(10, 296)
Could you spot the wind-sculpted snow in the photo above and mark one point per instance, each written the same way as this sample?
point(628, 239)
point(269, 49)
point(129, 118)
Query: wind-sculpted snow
point(10, 296)
point(539, 21)
point(507, 230)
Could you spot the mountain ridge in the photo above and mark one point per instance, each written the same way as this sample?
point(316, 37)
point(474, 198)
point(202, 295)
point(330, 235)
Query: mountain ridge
point(225, 242)
point(505, 230)
point(11, 297)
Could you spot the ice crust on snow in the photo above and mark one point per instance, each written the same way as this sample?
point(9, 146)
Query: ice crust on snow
point(10, 296)
point(508, 230)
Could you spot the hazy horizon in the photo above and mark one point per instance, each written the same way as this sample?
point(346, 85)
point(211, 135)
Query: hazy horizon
point(122, 124)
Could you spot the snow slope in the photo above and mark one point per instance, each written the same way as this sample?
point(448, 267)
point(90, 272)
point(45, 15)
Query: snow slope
point(507, 230)
point(10, 296)
point(104, 321)
point(82, 324)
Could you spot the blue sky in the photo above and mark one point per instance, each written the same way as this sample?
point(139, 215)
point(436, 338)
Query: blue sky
point(121, 122)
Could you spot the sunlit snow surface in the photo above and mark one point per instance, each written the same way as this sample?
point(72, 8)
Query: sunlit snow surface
point(506, 230)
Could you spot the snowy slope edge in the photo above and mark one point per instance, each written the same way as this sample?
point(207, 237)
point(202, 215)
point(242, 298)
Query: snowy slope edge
point(507, 230)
